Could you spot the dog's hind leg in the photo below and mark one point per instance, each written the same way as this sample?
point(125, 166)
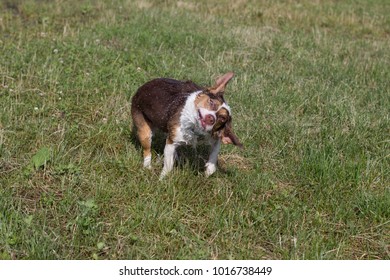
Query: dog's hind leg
point(144, 133)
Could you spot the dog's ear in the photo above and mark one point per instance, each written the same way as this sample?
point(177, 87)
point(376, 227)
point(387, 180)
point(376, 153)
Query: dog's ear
point(228, 137)
point(221, 83)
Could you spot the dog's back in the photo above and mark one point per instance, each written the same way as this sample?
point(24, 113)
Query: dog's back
point(158, 100)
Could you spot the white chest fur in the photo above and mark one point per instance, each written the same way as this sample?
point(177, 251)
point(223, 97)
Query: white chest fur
point(190, 129)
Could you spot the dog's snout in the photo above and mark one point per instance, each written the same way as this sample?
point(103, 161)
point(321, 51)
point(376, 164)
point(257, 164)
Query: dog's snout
point(209, 119)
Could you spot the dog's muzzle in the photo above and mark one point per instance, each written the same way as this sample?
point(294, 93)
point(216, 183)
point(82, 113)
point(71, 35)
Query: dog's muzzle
point(207, 119)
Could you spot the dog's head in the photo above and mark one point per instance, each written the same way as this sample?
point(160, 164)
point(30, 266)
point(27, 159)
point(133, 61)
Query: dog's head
point(214, 115)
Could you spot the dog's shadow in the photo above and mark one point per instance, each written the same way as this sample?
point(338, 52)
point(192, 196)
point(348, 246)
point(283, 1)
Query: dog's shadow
point(187, 156)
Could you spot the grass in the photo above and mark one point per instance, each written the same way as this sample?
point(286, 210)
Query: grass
point(310, 99)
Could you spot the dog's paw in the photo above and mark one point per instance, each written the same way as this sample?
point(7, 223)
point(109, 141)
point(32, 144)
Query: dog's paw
point(210, 169)
point(162, 175)
point(148, 162)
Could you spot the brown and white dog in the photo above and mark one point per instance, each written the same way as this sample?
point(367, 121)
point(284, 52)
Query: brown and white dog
point(186, 112)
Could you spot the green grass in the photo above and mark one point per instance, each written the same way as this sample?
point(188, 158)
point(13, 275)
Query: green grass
point(310, 99)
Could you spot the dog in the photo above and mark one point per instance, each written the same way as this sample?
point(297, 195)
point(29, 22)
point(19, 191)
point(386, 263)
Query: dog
point(186, 112)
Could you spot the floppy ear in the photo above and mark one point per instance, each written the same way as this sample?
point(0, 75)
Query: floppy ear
point(221, 83)
point(228, 137)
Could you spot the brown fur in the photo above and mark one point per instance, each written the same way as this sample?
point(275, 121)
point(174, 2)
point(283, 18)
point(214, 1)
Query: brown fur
point(144, 131)
point(160, 101)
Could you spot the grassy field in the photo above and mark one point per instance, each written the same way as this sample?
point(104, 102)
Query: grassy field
point(311, 104)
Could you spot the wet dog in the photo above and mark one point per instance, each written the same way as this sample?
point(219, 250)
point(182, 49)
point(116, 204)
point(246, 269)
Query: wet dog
point(186, 112)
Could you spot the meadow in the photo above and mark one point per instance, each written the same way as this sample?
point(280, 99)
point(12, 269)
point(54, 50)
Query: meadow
point(310, 102)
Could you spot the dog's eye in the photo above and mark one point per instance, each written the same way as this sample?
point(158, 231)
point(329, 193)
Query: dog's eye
point(213, 105)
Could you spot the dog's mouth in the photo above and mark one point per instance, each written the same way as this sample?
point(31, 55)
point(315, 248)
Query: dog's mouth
point(206, 120)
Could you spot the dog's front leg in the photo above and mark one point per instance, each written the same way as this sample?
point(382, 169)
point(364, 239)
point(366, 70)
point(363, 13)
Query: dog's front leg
point(169, 158)
point(211, 164)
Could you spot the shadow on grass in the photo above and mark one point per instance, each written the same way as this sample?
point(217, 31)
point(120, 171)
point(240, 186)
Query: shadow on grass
point(187, 156)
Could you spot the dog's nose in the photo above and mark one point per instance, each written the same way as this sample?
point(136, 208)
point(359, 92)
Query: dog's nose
point(209, 119)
